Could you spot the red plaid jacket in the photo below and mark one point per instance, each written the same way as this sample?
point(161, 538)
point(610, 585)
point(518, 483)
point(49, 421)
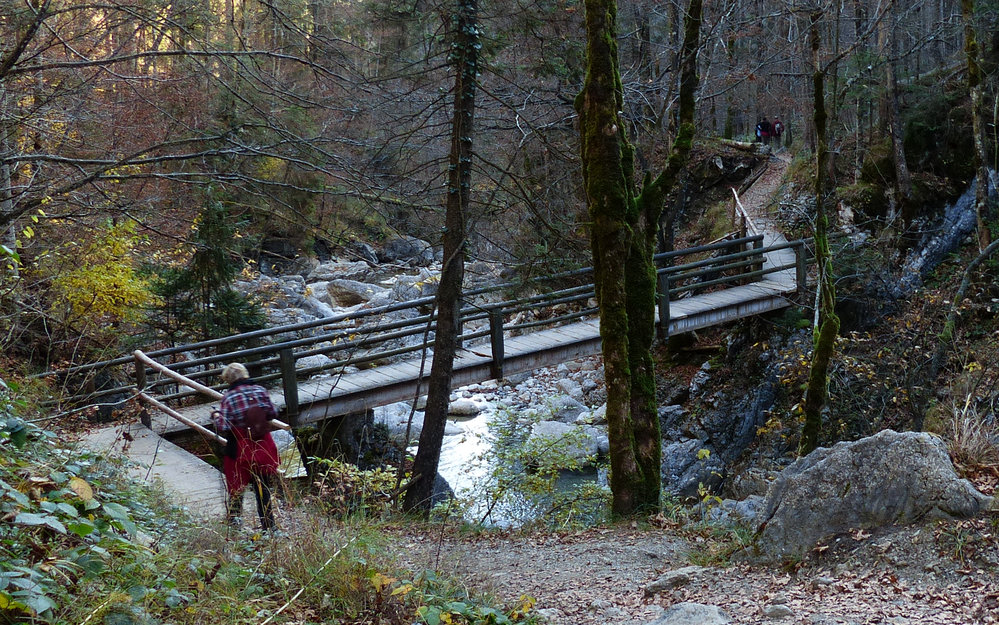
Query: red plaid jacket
point(237, 400)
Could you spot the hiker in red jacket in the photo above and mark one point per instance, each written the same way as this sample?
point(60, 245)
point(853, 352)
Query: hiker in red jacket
point(777, 129)
point(251, 457)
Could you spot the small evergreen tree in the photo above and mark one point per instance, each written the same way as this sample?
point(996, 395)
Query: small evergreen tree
point(198, 301)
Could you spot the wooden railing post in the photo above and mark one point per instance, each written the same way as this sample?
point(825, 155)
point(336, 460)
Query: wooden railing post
point(663, 301)
point(289, 381)
point(140, 385)
point(496, 341)
point(757, 265)
point(801, 275)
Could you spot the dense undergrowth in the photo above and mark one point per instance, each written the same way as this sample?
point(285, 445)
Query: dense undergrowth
point(80, 544)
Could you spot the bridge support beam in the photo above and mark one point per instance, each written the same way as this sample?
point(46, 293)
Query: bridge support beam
point(290, 383)
point(663, 301)
point(496, 342)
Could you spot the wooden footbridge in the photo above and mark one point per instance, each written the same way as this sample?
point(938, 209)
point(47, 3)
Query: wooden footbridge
point(356, 361)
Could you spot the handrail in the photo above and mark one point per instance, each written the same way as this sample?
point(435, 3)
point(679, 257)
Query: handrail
point(145, 360)
point(357, 337)
point(737, 207)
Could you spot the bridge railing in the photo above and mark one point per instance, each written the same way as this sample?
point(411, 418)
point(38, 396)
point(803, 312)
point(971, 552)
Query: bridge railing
point(142, 361)
point(368, 337)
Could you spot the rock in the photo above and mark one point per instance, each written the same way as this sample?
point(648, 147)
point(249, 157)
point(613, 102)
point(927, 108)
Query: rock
point(888, 478)
point(745, 512)
point(603, 441)
point(405, 249)
point(673, 579)
point(692, 614)
point(686, 468)
point(395, 417)
point(753, 481)
point(565, 409)
point(363, 251)
point(282, 439)
point(424, 284)
point(316, 360)
point(463, 408)
point(577, 442)
point(344, 292)
point(670, 417)
point(339, 269)
point(571, 388)
point(700, 378)
point(777, 611)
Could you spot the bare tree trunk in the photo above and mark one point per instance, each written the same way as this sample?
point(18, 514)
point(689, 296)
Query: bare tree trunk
point(465, 54)
point(902, 189)
point(7, 185)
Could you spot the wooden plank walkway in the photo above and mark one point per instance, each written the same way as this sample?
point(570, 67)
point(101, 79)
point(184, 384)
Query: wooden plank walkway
point(348, 393)
point(193, 483)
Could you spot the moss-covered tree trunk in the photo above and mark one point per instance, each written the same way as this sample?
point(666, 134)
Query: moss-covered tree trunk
point(640, 274)
point(827, 323)
point(465, 57)
point(623, 235)
point(973, 59)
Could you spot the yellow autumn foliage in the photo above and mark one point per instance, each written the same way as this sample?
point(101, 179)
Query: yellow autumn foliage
point(104, 283)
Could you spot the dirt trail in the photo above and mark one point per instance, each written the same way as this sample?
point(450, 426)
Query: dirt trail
point(894, 577)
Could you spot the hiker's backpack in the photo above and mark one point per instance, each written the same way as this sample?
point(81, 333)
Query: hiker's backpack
point(259, 414)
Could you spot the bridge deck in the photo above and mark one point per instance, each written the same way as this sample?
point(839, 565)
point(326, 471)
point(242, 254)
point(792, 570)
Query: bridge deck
point(352, 392)
point(192, 482)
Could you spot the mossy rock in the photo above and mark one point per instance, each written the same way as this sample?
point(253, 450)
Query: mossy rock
point(869, 201)
point(878, 167)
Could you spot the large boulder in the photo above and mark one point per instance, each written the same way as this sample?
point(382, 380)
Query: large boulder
point(341, 269)
point(424, 284)
point(345, 293)
point(689, 466)
point(406, 249)
point(888, 478)
point(577, 442)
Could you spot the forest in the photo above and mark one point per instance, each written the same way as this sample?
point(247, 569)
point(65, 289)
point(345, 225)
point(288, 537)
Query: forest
point(153, 153)
point(326, 123)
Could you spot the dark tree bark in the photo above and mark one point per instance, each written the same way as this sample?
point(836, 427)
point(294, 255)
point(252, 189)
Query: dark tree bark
point(827, 323)
point(448, 302)
point(973, 58)
point(623, 233)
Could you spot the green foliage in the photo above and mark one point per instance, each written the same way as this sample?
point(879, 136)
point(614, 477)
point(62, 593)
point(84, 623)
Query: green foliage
point(346, 489)
point(81, 545)
point(535, 481)
point(68, 531)
point(198, 301)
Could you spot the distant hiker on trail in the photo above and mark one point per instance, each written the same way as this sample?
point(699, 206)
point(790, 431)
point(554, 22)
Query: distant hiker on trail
point(250, 457)
point(777, 129)
point(759, 130)
point(765, 131)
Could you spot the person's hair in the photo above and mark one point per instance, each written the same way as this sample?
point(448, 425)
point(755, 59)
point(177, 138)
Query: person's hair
point(233, 372)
